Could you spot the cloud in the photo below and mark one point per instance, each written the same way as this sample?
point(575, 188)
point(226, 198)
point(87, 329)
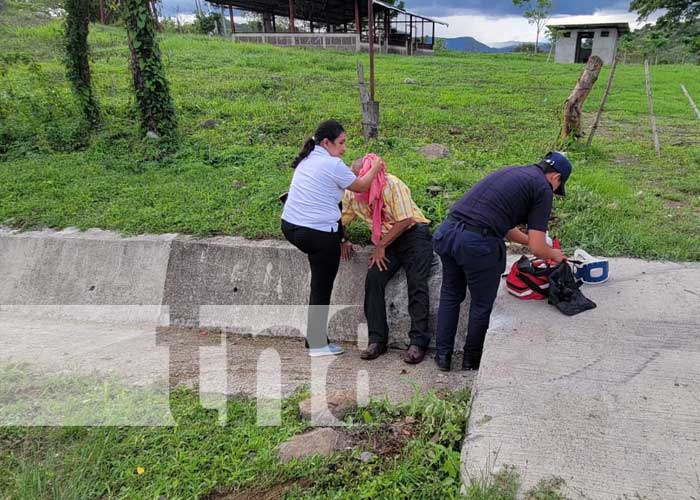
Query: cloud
point(488, 29)
point(505, 8)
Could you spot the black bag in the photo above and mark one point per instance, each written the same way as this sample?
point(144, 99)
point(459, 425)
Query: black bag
point(564, 291)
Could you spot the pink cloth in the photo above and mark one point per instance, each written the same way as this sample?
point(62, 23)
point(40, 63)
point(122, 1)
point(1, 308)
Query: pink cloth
point(374, 196)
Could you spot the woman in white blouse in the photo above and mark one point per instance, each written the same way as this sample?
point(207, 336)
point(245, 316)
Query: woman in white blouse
point(310, 220)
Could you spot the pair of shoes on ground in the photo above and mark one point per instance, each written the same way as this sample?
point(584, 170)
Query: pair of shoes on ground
point(413, 355)
point(444, 362)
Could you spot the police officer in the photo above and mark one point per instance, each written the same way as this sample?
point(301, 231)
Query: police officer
point(470, 245)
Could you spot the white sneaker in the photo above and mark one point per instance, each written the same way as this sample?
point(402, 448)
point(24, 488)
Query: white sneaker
point(328, 350)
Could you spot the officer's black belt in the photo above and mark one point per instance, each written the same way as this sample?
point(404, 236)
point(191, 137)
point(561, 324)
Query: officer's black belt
point(483, 231)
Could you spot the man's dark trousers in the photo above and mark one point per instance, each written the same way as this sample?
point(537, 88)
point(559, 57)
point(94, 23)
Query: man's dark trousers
point(469, 260)
point(413, 251)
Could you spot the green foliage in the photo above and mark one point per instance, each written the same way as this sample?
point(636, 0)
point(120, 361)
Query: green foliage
point(77, 58)
point(155, 105)
point(490, 110)
point(660, 45)
point(207, 23)
point(681, 17)
point(192, 456)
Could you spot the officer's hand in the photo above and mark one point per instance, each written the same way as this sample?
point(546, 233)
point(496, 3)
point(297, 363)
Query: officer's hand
point(557, 255)
point(346, 250)
point(378, 257)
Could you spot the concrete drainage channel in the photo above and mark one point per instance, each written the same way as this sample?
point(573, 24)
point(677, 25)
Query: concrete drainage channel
point(607, 400)
point(225, 283)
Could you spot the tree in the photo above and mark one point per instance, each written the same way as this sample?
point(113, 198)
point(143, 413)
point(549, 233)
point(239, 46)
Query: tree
point(681, 16)
point(156, 107)
point(552, 34)
point(77, 58)
point(537, 13)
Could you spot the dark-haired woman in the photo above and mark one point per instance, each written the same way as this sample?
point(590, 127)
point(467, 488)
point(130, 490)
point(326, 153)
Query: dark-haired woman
point(310, 220)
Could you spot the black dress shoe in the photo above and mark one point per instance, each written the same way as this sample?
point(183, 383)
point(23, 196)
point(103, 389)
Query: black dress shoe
point(443, 362)
point(373, 351)
point(470, 364)
point(414, 355)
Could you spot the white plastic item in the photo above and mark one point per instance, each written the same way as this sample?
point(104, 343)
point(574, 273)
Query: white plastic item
point(591, 270)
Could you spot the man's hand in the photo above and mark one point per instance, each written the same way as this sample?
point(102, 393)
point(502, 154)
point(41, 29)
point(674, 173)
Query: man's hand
point(346, 250)
point(557, 255)
point(378, 257)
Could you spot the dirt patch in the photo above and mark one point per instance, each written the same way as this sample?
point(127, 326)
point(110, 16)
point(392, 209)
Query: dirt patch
point(261, 493)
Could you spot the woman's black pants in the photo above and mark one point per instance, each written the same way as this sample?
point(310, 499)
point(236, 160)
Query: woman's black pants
point(323, 251)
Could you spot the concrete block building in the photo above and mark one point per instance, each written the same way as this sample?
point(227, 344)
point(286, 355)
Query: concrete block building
point(577, 42)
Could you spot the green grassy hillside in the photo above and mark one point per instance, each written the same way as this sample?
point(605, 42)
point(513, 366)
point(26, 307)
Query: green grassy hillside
point(490, 110)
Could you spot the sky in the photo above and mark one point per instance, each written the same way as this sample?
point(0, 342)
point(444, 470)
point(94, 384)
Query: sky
point(493, 21)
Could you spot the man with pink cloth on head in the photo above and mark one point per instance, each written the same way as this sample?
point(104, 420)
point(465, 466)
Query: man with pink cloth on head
point(401, 238)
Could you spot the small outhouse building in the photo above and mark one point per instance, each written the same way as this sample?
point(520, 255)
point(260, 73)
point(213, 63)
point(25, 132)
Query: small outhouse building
point(575, 43)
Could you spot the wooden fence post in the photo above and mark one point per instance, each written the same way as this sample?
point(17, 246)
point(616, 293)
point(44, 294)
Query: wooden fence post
point(370, 108)
point(602, 103)
point(692, 103)
point(652, 118)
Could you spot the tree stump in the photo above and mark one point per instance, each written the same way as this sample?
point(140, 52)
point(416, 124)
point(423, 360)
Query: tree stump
point(574, 104)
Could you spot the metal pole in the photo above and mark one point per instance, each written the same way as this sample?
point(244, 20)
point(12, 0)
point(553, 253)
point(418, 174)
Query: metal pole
point(291, 16)
point(652, 118)
point(370, 22)
point(230, 15)
point(358, 21)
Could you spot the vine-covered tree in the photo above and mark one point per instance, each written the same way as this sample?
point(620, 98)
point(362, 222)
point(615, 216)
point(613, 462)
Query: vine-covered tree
point(77, 57)
point(155, 105)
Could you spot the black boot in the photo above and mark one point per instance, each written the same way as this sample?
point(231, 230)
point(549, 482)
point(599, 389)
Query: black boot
point(443, 361)
point(470, 362)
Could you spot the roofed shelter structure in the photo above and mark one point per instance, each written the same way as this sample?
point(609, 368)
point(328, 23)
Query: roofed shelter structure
point(335, 24)
point(577, 42)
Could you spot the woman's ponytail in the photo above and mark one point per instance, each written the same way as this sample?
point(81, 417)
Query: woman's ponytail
point(306, 149)
point(330, 129)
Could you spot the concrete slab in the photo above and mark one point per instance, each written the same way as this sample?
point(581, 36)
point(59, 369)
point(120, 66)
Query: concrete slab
point(79, 268)
point(217, 365)
point(232, 271)
point(607, 400)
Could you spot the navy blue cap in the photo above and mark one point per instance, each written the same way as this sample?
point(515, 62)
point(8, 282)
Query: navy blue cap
point(559, 162)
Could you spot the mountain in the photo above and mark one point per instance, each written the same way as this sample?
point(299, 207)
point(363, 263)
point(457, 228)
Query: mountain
point(467, 44)
point(470, 44)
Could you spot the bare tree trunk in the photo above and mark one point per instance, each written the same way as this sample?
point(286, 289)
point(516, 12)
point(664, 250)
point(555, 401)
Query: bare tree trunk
point(551, 49)
point(574, 104)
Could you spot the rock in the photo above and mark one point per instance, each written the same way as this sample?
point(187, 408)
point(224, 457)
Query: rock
point(435, 190)
point(367, 456)
point(409, 81)
point(434, 151)
point(322, 441)
point(152, 135)
point(209, 124)
point(237, 184)
point(339, 404)
point(42, 15)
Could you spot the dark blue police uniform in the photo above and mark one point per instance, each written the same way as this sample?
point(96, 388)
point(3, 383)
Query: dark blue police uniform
point(473, 253)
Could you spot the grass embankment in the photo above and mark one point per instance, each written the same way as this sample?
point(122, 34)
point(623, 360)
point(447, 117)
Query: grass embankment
point(190, 455)
point(491, 110)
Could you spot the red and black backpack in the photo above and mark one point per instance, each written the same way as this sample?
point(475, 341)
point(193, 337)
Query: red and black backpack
point(528, 279)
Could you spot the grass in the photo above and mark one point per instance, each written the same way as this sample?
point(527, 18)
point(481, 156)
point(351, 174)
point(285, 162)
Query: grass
point(416, 449)
point(490, 110)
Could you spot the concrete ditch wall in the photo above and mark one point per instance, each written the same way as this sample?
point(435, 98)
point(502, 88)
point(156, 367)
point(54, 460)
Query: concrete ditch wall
point(168, 280)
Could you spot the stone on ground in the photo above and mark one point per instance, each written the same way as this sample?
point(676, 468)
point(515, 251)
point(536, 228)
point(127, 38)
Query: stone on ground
point(322, 441)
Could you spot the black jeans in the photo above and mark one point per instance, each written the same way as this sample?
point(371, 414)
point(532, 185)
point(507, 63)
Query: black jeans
point(323, 251)
point(414, 251)
point(468, 260)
